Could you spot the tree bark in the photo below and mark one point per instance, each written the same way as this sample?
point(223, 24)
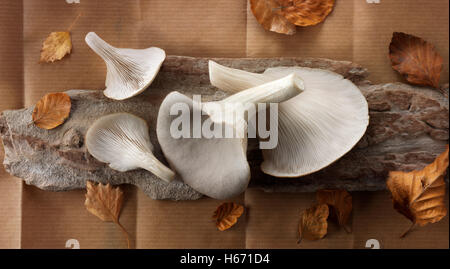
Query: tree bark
point(408, 129)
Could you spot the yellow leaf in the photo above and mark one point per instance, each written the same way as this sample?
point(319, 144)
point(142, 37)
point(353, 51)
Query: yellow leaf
point(419, 195)
point(227, 214)
point(105, 202)
point(341, 203)
point(52, 110)
point(313, 222)
point(56, 46)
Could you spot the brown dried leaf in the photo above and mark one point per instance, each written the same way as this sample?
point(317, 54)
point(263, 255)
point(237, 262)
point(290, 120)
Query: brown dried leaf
point(56, 46)
point(306, 12)
point(227, 214)
point(341, 203)
point(419, 195)
point(313, 222)
point(105, 202)
point(52, 110)
point(268, 14)
point(416, 59)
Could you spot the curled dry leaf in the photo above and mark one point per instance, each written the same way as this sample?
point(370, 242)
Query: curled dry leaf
point(227, 214)
point(416, 59)
point(419, 195)
point(56, 46)
point(313, 222)
point(341, 203)
point(52, 110)
point(306, 12)
point(268, 14)
point(105, 202)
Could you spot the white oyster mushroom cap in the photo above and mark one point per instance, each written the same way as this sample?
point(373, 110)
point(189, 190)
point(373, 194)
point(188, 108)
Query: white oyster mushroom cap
point(316, 127)
point(129, 71)
point(122, 140)
point(216, 167)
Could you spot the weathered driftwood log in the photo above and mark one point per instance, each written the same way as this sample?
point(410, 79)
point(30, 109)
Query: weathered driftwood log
point(408, 128)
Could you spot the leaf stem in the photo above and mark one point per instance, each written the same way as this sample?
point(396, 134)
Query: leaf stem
point(347, 229)
point(409, 230)
point(125, 233)
point(300, 233)
point(73, 23)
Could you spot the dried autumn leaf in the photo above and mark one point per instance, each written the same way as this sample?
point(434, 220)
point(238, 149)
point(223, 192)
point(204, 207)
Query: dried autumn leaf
point(268, 14)
point(341, 203)
point(56, 46)
point(416, 59)
point(419, 195)
point(306, 12)
point(52, 110)
point(313, 222)
point(227, 214)
point(105, 202)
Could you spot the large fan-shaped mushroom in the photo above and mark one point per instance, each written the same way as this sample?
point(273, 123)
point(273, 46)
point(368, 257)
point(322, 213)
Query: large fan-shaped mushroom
point(129, 71)
point(316, 127)
point(215, 166)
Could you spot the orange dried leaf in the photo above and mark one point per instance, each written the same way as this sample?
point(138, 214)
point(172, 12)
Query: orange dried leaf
point(105, 202)
point(306, 12)
point(313, 222)
point(340, 201)
point(419, 195)
point(416, 59)
point(227, 214)
point(56, 46)
point(268, 14)
point(52, 110)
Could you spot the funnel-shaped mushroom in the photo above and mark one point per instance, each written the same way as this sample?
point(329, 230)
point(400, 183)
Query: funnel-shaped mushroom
point(122, 140)
point(316, 127)
point(215, 166)
point(129, 71)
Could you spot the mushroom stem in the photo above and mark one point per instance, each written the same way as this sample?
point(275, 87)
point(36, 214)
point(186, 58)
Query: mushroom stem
point(150, 163)
point(99, 45)
point(125, 68)
point(276, 91)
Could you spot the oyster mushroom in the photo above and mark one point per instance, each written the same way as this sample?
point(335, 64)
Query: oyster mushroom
point(122, 140)
point(129, 71)
point(215, 166)
point(316, 128)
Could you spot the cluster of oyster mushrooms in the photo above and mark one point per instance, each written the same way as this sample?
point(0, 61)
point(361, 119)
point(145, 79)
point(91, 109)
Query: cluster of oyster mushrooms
point(321, 116)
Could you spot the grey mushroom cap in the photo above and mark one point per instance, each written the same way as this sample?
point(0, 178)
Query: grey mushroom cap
point(215, 167)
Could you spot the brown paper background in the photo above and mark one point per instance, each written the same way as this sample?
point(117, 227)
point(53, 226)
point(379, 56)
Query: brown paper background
point(355, 31)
